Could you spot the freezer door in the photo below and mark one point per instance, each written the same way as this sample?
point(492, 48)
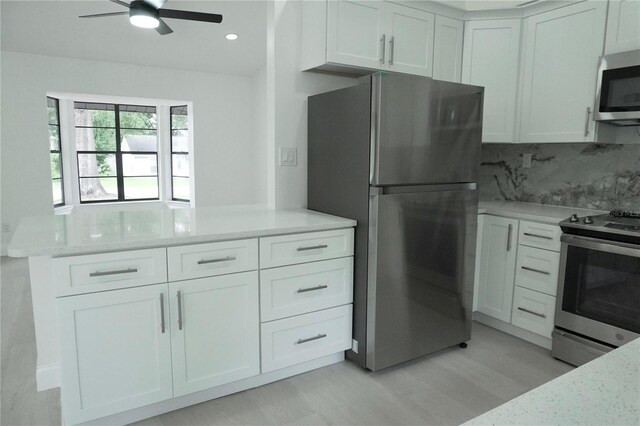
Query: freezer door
point(424, 131)
point(421, 265)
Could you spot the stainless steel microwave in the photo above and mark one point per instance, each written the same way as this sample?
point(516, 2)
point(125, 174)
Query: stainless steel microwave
point(618, 95)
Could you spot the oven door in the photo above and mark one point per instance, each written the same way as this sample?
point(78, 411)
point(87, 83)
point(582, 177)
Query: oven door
point(599, 289)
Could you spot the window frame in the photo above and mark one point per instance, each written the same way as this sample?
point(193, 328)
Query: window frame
point(58, 151)
point(172, 152)
point(118, 153)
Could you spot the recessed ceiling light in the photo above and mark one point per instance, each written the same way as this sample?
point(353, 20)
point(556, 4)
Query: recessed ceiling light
point(231, 36)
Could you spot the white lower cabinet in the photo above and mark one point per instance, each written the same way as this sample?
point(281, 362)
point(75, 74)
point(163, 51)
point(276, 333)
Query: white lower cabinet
point(116, 351)
point(214, 331)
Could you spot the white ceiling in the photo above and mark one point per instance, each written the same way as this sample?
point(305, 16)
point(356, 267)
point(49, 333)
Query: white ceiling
point(53, 28)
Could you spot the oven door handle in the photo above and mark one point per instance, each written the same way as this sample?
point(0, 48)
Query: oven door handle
point(601, 245)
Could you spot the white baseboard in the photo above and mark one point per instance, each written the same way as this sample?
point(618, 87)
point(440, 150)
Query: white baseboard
point(521, 333)
point(48, 377)
point(213, 393)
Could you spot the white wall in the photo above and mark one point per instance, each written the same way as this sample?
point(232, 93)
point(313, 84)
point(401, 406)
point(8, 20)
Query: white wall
point(228, 156)
point(288, 89)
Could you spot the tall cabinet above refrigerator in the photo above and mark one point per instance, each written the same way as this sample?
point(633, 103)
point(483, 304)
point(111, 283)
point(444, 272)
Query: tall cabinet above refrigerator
point(401, 155)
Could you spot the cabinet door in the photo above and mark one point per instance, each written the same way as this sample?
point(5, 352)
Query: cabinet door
point(116, 351)
point(354, 33)
point(215, 331)
point(491, 58)
point(497, 267)
point(561, 53)
point(410, 40)
point(623, 26)
point(447, 49)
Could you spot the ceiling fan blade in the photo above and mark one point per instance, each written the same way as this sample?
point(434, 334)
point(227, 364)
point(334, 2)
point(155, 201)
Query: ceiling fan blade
point(163, 28)
point(100, 15)
point(190, 16)
point(121, 3)
point(156, 3)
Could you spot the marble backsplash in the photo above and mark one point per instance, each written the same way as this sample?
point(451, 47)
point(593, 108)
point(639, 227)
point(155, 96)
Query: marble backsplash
point(594, 176)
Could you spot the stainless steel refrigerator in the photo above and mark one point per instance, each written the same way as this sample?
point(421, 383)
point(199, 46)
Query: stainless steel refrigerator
point(401, 155)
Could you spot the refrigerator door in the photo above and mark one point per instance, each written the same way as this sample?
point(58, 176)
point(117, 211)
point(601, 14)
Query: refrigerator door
point(424, 131)
point(420, 271)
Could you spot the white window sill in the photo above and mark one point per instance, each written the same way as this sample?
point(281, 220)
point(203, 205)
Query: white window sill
point(122, 206)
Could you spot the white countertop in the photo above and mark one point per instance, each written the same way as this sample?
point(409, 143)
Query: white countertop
point(529, 211)
point(95, 231)
point(605, 391)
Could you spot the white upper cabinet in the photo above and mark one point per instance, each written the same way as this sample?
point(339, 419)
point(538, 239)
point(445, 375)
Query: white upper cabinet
point(447, 49)
point(623, 26)
point(409, 36)
point(491, 57)
point(355, 32)
point(561, 52)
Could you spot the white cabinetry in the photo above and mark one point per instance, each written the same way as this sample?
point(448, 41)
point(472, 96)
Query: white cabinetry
point(561, 50)
point(623, 26)
point(215, 331)
point(497, 267)
point(116, 351)
point(447, 49)
point(491, 58)
point(364, 36)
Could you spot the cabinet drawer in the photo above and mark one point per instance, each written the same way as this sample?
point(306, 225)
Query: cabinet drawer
point(206, 260)
point(537, 269)
point(299, 339)
point(540, 235)
point(306, 247)
point(299, 289)
point(533, 311)
point(108, 271)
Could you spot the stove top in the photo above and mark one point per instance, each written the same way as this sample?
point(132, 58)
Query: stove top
point(617, 225)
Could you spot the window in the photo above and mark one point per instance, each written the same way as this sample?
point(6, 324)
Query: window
point(117, 152)
point(55, 150)
point(179, 153)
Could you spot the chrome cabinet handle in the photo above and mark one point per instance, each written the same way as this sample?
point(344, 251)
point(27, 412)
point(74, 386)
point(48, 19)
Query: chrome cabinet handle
point(309, 339)
point(526, 268)
point(531, 312)
point(114, 272)
point(509, 237)
point(320, 246)
point(586, 124)
point(304, 290)
point(391, 49)
point(221, 259)
point(179, 296)
point(162, 312)
point(538, 236)
point(382, 47)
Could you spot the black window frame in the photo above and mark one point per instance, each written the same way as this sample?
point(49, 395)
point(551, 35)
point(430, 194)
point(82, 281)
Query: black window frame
point(58, 151)
point(118, 153)
point(172, 152)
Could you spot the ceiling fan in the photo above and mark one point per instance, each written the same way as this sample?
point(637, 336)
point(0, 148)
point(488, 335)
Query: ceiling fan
point(149, 14)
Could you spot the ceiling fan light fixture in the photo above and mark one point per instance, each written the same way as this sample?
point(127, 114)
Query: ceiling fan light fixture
point(144, 21)
point(143, 15)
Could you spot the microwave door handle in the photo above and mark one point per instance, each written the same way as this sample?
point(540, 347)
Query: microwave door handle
point(586, 123)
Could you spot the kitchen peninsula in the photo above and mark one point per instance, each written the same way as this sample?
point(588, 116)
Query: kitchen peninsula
point(140, 312)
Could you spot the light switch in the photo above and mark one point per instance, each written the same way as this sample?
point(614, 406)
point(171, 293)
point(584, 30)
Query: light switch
point(526, 161)
point(288, 156)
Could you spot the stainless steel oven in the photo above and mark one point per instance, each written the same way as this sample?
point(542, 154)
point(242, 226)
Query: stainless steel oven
point(598, 303)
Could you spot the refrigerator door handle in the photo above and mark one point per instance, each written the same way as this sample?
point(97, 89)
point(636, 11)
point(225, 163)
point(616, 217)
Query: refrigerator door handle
point(408, 189)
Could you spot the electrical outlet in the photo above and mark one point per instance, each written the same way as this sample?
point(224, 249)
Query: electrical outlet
point(526, 161)
point(288, 156)
point(354, 345)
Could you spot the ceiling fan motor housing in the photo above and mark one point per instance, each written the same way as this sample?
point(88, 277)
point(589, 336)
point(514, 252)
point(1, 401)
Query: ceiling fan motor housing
point(139, 7)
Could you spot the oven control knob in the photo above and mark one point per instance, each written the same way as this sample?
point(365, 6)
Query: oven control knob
point(588, 220)
point(574, 218)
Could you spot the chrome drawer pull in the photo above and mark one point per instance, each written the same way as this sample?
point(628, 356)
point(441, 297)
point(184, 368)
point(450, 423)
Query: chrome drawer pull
point(116, 272)
point(162, 312)
point(531, 312)
point(320, 246)
point(309, 339)
point(538, 236)
point(526, 268)
point(304, 290)
point(179, 296)
point(221, 259)
point(509, 237)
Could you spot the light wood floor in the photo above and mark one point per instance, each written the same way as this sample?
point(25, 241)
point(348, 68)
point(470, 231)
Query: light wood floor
point(449, 387)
